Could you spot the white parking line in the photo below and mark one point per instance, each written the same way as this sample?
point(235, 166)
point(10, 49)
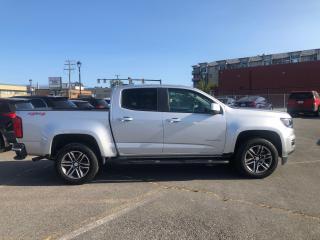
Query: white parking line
point(124, 210)
point(315, 161)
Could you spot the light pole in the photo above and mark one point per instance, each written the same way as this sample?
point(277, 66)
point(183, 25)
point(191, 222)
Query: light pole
point(79, 66)
point(30, 86)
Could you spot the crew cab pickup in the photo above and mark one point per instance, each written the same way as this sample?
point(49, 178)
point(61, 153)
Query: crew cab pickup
point(157, 124)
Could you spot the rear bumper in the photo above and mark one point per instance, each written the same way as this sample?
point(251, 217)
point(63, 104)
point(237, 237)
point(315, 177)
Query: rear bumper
point(301, 110)
point(20, 150)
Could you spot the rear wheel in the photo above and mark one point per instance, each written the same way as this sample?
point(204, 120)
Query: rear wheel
point(257, 158)
point(317, 113)
point(76, 163)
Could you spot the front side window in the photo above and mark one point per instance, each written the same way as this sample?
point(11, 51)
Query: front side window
point(186, 101)
point(140, 99)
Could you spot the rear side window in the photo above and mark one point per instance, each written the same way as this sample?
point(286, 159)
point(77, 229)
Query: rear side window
point(141, 99)
point(301, 95)
point(38, 103)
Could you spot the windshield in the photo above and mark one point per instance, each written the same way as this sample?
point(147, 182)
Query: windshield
point(301, 95)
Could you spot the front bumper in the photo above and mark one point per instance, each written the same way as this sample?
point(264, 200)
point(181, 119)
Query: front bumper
point(288, 147)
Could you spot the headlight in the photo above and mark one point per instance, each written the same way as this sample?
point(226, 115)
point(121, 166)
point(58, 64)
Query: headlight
point(287, 122)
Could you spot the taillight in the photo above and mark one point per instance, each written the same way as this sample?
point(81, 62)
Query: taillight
point(17, 127)
point(11, 115)
point(100, 106)
point(252, 104)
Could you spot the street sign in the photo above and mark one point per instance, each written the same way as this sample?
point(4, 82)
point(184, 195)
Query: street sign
point(55, 82)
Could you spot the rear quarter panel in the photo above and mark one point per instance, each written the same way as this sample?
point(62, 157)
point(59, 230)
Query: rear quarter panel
point(40, 127)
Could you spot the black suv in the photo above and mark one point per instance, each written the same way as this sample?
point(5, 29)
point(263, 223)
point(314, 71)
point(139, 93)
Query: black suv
point(8, 118)
point(52, 102)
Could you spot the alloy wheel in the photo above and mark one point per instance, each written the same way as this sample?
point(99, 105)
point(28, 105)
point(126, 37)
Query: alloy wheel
point(258, 159)
point(75, 164)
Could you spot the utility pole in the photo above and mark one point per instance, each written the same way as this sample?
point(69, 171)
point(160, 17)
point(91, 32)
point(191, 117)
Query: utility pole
point(79, 67)
point(69, 66)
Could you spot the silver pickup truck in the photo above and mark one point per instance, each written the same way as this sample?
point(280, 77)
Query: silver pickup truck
point(156, 124)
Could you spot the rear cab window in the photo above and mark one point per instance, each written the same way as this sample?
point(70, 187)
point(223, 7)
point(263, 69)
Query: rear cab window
point(301, 95)
point(140, 99)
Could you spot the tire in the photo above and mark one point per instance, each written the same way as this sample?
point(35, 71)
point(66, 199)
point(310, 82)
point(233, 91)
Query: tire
point(76, 163)
point(256, 158)
point(2, 144)
point(317, 113)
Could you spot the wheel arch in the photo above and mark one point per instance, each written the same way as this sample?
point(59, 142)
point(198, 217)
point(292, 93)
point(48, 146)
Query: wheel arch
point(61, 140)
point(269, 135)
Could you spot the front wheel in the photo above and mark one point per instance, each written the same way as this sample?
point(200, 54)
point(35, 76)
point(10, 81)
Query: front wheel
point(257, 158)
point(76, 163)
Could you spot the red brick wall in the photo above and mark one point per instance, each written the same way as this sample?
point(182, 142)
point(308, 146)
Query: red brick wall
point(273, 79)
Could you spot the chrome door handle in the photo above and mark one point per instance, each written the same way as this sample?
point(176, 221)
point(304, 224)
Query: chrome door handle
point(126, 119)
point(174, 120)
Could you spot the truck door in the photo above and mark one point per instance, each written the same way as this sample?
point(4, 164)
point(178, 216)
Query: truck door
point(136, 123)
point(190, 128)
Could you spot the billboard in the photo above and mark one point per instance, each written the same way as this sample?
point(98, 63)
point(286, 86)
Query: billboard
point(55, 82)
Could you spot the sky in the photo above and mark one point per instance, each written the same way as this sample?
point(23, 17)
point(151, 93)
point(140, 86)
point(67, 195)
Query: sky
point(156, 39)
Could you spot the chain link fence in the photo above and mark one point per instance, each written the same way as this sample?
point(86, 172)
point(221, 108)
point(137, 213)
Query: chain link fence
point(278, 101)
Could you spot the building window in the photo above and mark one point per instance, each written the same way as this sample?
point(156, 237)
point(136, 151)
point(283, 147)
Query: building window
point(308, 58)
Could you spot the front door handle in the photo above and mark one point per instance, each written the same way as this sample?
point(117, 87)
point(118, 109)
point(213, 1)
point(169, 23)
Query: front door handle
point(126, 119)
point(174, 120)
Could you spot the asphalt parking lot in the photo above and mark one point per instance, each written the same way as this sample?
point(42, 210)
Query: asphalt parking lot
point(166, 202)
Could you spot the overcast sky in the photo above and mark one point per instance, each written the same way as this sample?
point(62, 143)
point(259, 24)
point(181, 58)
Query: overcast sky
point(145, 38)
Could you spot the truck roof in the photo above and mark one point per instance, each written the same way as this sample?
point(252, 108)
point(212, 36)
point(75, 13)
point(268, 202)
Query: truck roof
point(153, 86)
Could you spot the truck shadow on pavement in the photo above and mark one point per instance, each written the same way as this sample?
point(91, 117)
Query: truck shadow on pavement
point(27, 173)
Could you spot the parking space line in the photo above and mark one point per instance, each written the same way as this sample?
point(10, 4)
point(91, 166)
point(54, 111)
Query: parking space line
point(292, 163)
point(296, 213)
point(150, 196)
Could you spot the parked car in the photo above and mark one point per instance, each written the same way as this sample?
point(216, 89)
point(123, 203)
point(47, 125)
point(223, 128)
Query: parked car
point(157, 124)
point(304, 102)
point(81, 104)
point(253, 102)
point(96, 102)
point(52, 102)
point(8, 118)
point(227, 100)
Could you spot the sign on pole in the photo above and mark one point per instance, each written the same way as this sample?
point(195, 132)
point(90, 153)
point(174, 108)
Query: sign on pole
point(55, 82)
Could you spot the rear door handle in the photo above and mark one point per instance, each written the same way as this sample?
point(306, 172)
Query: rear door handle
point(174, 120)
point(126, 119)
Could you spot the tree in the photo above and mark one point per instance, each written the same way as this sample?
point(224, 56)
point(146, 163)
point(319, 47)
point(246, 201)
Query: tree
point(205, 86)
point(115, 82)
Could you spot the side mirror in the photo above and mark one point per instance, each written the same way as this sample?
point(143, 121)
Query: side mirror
point(215, 108)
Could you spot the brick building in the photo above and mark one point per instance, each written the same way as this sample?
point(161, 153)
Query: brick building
point(275, 73)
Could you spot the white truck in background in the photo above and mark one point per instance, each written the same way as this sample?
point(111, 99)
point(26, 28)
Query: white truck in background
point(156, 124)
